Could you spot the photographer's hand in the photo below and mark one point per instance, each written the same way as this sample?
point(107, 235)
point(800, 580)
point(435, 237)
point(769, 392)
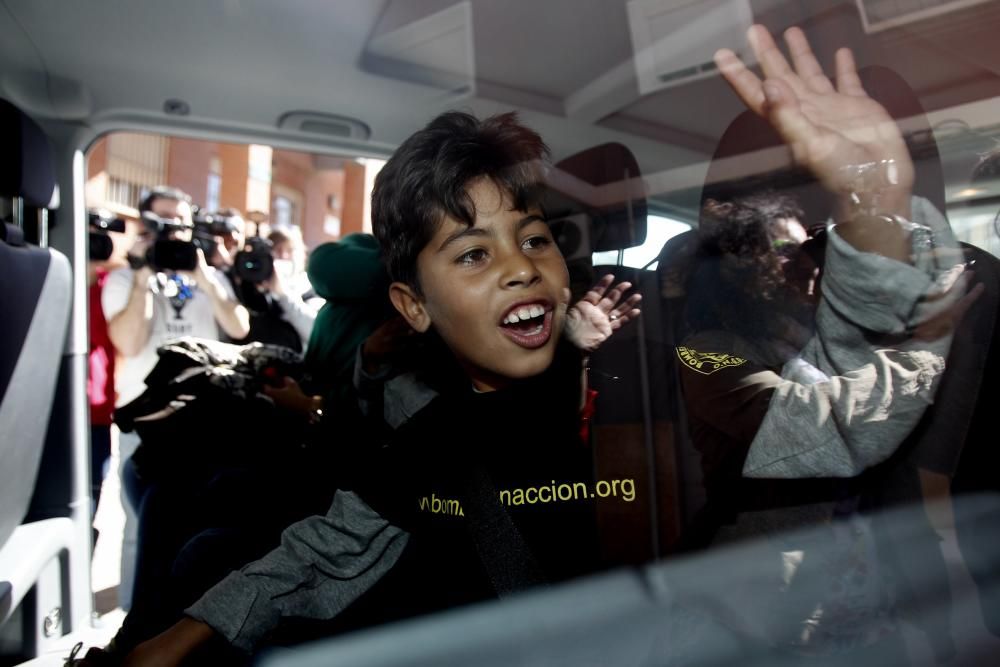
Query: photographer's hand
point(226, 258)
point(231, 316)
point(202, 274)
point(136, 254)
point(130, 329)
point(275, 284)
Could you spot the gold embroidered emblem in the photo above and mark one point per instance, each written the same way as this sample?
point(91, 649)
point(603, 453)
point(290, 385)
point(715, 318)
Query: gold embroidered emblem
point(707, 363)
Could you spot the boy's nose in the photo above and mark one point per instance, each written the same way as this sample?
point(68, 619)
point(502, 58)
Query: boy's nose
point(519, 271)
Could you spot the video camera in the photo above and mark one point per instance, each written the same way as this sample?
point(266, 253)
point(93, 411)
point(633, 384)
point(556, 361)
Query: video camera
point(101, 221)
point(255, 263)
point(209, 226)
point(167, 253)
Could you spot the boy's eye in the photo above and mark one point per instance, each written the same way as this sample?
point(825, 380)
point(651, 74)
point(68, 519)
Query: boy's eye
point(536, 242)
point(471, 257)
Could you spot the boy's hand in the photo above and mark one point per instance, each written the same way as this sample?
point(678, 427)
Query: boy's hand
point(831, 131)
point(171, 647)
point(600, 313)
point(289, 395)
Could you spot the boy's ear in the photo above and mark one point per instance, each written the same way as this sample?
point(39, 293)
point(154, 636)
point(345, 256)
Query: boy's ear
point(410, 306)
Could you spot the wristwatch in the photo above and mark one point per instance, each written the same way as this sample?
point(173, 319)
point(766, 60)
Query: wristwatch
point(315, 409)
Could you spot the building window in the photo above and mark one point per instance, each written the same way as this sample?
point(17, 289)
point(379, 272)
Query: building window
point(282, 212)
point(136, 162)
point(212, 192)
point(123, 193)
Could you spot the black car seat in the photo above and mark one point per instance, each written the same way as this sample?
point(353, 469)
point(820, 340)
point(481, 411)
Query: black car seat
point(35, 304)
point(639, 430)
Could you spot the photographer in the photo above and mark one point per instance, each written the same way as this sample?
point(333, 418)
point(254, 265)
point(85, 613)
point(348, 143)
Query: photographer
point(168, 291)
point(220, 235)
point(264, 285)
point(146, 306)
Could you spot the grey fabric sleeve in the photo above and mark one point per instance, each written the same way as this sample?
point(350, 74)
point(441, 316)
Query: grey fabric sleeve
point(849, 400)
point(323, 564)
point(404, 396)
point(400, 396)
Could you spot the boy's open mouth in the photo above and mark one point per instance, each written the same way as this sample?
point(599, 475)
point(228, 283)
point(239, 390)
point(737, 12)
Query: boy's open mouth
point(528, 324)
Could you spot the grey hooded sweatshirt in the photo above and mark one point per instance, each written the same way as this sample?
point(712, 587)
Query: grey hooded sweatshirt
point(829, 416)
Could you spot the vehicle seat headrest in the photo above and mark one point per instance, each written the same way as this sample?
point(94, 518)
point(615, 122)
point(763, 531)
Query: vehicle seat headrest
point(675, 263)
point(26, 166)
point(11, 235)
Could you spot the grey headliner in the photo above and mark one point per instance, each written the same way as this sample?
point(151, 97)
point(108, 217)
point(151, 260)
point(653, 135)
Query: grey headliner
point(241, 64)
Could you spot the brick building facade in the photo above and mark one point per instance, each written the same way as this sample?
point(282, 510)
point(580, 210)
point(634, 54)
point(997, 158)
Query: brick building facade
point(326, 197)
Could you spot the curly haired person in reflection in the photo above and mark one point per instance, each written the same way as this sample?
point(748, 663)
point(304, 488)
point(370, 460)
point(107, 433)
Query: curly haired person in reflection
point(795, 387)
point(762, 280)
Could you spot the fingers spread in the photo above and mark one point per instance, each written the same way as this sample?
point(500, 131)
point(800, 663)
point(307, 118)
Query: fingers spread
point(629, 310)
point(772, 60)
point(621, 321)
point(597, 291)
point(614, 296)
point(609, 301)
point(563, 304)
point(848, 82)
point(806, 65)
point(744, 83)
point(785, 114)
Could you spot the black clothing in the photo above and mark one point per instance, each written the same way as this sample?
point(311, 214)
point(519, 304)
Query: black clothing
point(523, 438)
point(267, 322)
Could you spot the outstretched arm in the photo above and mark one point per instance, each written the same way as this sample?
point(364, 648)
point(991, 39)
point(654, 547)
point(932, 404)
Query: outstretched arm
point(852, 395)
point(172, 646)
point(323, 564)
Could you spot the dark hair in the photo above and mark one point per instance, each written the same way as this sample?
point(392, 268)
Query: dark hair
point(737, 280)
point(987, 168)
point(425, 180)
point(771, 206)
point(162, 192)
point(277, 237)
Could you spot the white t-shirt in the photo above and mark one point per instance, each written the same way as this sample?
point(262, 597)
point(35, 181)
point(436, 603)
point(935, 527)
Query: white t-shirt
point(179, 309)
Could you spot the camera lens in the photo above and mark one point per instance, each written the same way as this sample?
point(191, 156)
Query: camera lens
point(100, 246)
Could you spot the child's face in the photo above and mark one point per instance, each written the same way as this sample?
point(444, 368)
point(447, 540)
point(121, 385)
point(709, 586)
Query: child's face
point(492, 290)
